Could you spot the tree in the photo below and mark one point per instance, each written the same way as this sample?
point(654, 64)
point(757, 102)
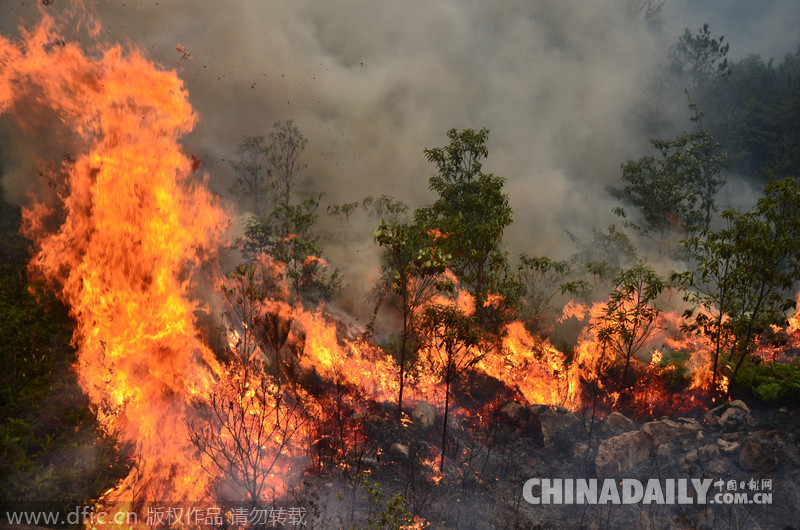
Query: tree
point(258, 313)
point(629, 318)
point(471, 212)
point(287, 232)
point(251, 170)
point(246, 428)
point(677, 190)
point(286, 145)
point(700, 59)
point(541, 279)
point(413, 263)
point(745, 274)
point(450, 337)
point(603, 257)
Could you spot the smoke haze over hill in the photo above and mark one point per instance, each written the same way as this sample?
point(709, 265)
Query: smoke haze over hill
point(564, 88)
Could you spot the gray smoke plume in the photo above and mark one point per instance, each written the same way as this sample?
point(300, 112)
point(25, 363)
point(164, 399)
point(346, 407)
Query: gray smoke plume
point(564, 87)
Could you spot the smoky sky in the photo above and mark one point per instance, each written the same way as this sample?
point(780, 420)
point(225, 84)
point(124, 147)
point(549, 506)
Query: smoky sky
point(565, 88)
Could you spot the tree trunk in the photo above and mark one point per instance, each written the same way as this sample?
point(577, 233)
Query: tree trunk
point(403, 342)
point(444, 429)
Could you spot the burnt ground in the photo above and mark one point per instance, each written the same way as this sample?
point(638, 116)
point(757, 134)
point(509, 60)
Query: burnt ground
point(488, 460)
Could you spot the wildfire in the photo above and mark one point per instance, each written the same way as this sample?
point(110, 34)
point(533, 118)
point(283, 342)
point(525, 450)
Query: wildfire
point(132, 229)
point(123, 238)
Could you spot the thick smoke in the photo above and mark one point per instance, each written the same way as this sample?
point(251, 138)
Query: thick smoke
point(563, 86)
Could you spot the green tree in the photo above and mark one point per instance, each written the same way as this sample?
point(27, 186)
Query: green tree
point(287, 234)
point(542, 279)
point(450, 337)
point(745, 274)
point(412, 268)
point(287, 231)
point(676, 190)
point(471, 212)
point(700, 59)
point(629, 318)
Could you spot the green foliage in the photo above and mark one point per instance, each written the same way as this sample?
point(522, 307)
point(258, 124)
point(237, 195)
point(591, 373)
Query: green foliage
point(287, 232)
point(413, 263)
point(629, 317)
point(752, 105)
point(450, 337)
point(700, 58)
point(676, 190)
point(471, 212)
point(763, 125)
point(771, 382)
point(287, 235)
point(390, 514)
point(52, 450)
point(745, 273)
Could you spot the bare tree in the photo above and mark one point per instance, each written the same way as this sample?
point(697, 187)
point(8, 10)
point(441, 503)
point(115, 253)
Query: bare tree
point(246, 429)
point(252, 171)
point(286, 145)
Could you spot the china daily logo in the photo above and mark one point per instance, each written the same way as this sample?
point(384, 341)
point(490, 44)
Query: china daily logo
point(653, 491)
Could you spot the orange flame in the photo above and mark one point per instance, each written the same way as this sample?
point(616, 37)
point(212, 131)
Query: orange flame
point(134, 230)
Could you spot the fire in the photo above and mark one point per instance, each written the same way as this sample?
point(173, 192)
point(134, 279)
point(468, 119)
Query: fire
point(123, 238)
point(131, 231)
point(533, 366)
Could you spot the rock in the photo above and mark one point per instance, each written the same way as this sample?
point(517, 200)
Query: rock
point(729, 417)
point(398, 449)
point(739, 404)
point(708, 452)
point(700, 436)
point(536, 409)
point(514, 414)
point(757, 456)
point(727, 447)
point(665, 451)
point(720, 467)
point(559, 429)
point(423, 414)
point(619, 423)
point(621, 453)
point(733, 420)
point(579, 451)
point(533, 430)
point(691, 457)
point(665, 431)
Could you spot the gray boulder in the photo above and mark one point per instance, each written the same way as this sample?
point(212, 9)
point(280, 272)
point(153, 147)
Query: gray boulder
point(423, 414)
point(560, 430)
point(621, 453)
point(665, 431)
